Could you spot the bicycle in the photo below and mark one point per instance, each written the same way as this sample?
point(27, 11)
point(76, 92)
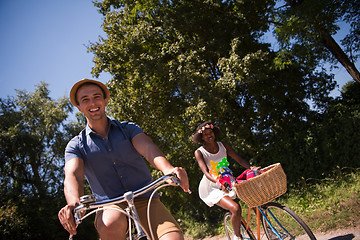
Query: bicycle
point(277, 220)
point(135, 229)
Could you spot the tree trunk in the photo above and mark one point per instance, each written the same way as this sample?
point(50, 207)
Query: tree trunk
point(333, 47)
point(339, 54)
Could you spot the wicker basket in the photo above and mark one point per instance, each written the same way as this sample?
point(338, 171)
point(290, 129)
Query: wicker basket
point(264, 187)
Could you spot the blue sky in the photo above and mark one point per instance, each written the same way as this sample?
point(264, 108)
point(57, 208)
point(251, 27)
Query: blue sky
point(44, 40)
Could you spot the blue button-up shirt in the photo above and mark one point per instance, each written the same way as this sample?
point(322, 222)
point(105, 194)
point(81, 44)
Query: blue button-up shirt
point(112, 166)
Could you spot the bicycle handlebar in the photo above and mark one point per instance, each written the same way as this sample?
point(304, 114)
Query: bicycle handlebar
point(88, 202)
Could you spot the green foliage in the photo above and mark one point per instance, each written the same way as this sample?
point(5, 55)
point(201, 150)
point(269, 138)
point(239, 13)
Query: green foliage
point(352, 40)
point(178, 63)
point(304, 29)
point(31, 142)
point(33, 136)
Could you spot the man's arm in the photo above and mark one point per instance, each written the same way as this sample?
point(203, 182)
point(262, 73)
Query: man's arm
point(74, 180)
point(147, 148)
point(73, 190)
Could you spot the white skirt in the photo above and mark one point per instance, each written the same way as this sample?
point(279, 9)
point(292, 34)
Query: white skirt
point(211, 193)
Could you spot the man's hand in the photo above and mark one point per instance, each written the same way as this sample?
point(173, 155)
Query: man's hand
point(67, 219)
point(182, 176)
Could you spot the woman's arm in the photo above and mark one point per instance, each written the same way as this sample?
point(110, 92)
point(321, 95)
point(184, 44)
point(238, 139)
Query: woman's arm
point(231, 152)
point(200, 159)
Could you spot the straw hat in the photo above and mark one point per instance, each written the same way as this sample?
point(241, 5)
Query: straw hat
point(77, 85)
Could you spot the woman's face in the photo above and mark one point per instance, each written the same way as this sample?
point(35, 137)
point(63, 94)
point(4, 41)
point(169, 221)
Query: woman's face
point(208, 135)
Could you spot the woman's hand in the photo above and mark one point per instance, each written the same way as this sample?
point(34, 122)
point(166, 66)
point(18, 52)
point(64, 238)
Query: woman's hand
point(254, 168)
point(224, 188)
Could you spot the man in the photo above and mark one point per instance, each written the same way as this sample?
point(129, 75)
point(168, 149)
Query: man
point(108, 153)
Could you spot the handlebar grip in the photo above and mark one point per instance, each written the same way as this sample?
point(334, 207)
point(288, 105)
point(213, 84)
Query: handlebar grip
point(77, 218)
point(76, 215)
point(175, 179)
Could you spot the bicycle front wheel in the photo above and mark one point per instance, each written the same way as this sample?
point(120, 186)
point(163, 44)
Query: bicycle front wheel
point(280, 222)
point(245, 233)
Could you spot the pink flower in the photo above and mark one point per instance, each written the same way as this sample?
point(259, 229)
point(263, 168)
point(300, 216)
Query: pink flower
point(206, 127)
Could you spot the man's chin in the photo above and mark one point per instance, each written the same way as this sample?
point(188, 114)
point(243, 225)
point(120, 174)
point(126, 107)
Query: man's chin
point(96, 116)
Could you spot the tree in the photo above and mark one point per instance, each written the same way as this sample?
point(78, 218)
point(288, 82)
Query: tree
point(178, 63)
point(33, 136)
point(305, 28)
point(32, 142)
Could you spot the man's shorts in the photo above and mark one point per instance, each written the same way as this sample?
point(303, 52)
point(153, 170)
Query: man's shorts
point(160, 218)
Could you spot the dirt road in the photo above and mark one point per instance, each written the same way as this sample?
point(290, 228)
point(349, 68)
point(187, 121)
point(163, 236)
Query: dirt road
point(340, 234)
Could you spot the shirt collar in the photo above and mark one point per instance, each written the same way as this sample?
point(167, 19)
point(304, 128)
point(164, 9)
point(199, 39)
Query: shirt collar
point(88, 130)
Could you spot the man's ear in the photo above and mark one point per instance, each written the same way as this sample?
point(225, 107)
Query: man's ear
point(78, 107)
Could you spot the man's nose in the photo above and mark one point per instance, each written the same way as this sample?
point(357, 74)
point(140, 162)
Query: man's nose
point(91, 100)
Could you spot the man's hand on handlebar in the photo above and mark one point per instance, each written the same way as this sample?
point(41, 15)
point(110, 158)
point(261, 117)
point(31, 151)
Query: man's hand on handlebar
point(182, 176)
point(67, 219)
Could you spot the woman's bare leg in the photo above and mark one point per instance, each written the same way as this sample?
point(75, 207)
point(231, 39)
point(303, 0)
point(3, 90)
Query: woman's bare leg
point(228, 204)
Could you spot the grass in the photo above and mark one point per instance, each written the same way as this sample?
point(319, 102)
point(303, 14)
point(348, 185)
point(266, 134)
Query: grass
point(325, 205)
point(328, 204)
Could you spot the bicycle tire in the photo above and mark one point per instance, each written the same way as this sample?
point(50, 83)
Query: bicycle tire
point(245, 233)
point(285, 221)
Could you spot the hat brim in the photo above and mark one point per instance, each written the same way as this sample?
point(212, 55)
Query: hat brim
point(76, 86)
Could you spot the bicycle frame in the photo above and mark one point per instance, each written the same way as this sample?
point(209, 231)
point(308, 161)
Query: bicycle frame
point(88, 202)
point(273, 225)
point(258, 210)
point(277, 221)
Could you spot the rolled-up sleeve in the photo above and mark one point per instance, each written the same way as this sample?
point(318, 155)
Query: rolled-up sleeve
point(72, 149)
point(132, 129)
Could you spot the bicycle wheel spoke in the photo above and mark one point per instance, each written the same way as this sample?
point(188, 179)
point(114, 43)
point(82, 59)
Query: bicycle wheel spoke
point(228, 226)
point(245, 234)
point(282, 223)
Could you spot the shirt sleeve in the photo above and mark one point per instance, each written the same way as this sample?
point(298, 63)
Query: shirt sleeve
point(72, 149)
point(131, 129)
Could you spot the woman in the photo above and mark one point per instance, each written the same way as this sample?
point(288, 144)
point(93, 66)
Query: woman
point(208, 155)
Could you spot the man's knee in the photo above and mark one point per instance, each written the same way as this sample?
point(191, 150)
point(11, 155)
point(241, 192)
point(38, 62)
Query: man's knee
point(175, 235)
point(110, 223)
